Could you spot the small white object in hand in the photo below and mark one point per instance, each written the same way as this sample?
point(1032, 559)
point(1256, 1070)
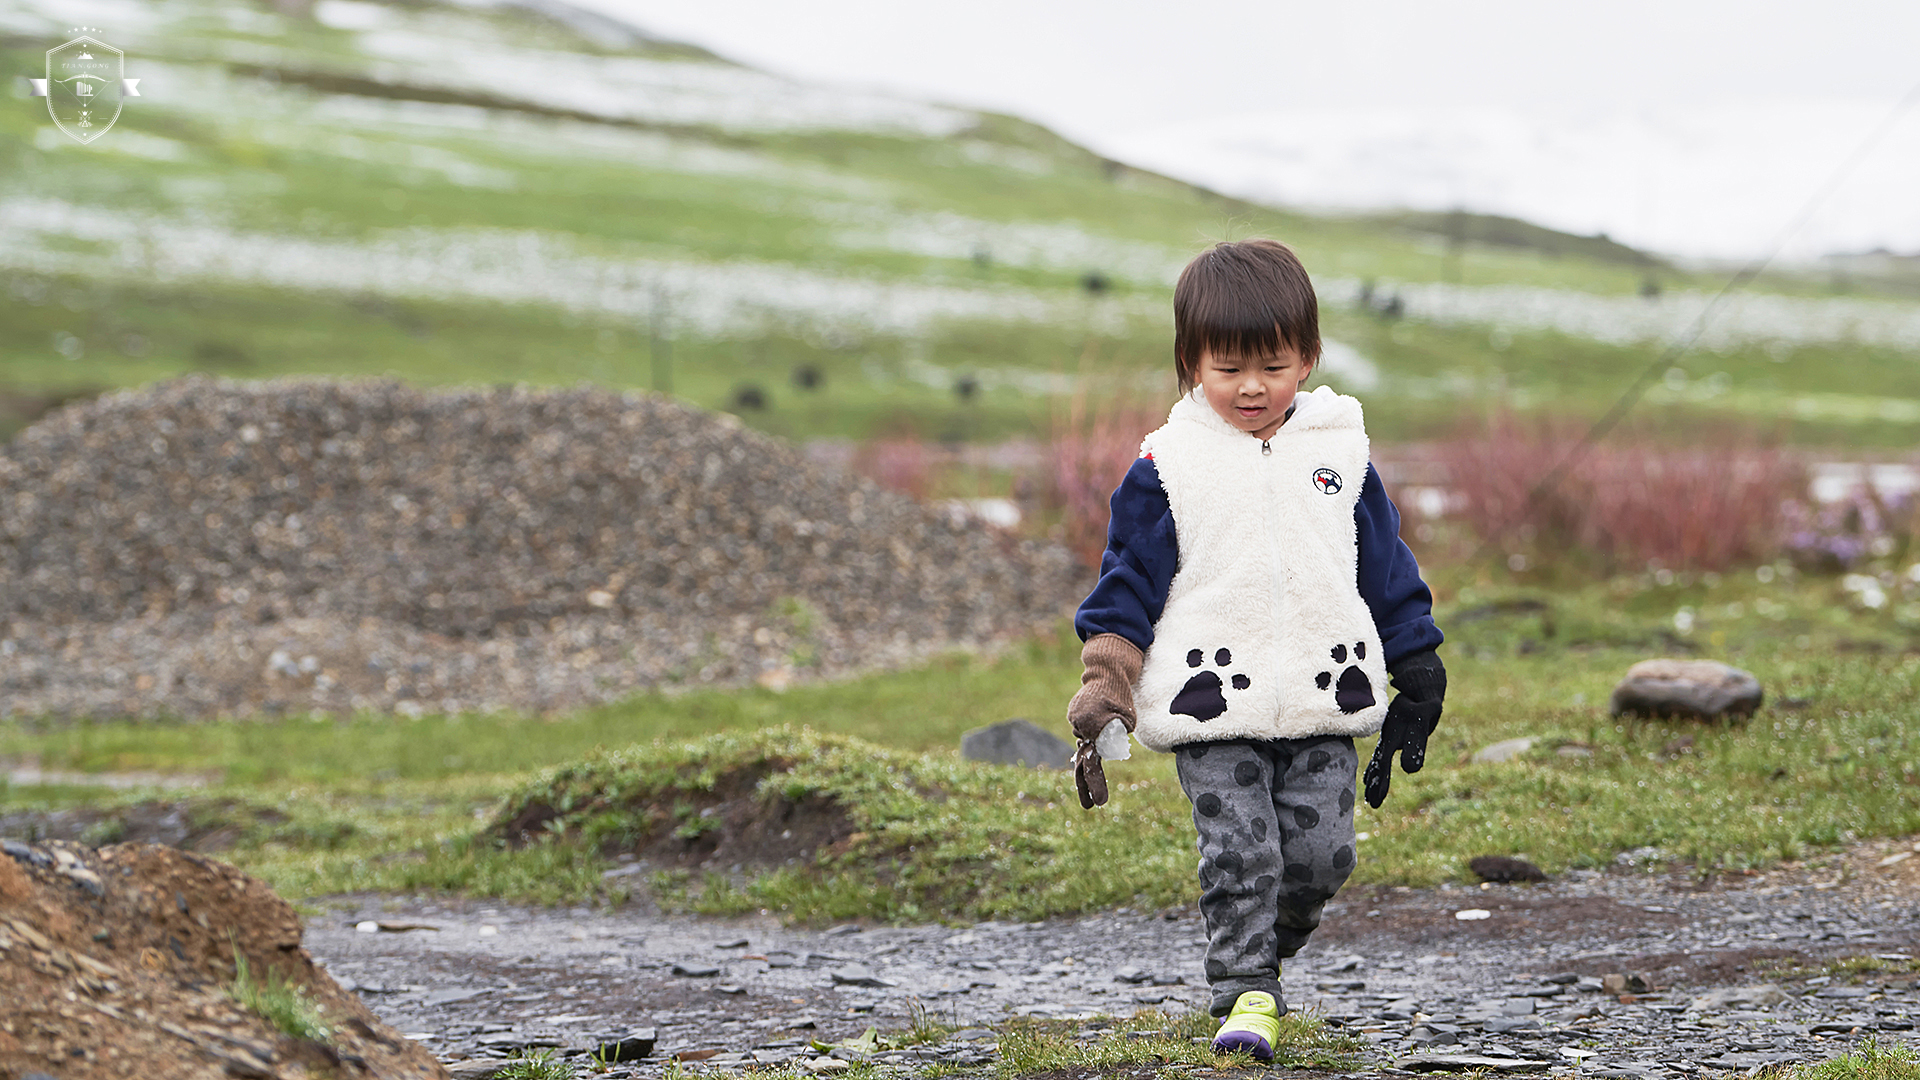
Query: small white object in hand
point(1113, 744)
point(368, 927)
point(1473, 913)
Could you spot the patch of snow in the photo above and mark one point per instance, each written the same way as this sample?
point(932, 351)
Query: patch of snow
point(1345, 366)
point(353, 15)
point(683, 92)
point(1053, 245)
point(1742, 319)
point(523, 266)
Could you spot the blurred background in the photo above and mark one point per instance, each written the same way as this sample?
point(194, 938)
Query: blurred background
point(893, 235)
point(931, 246)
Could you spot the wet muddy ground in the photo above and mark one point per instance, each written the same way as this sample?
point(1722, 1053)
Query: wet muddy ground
point(1398, 967)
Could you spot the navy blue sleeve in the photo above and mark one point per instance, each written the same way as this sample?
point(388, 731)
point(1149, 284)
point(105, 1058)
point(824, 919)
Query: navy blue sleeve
point(1389, 578)
point(1137, 569)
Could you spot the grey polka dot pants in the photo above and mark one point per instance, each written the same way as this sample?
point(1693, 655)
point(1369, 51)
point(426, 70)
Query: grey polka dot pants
point(1275, 819)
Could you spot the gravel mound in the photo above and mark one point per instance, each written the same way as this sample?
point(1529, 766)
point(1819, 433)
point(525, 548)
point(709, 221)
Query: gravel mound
point(207, 547)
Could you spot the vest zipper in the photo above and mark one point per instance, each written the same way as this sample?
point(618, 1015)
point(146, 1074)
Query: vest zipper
point(1278, 596)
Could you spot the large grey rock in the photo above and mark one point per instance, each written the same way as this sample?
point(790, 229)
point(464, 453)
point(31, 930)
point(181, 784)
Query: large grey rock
point(1699, 689)
point(1016, 742)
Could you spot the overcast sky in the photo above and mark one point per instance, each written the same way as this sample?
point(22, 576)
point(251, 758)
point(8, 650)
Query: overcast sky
point(1126, 76)
point(1092, 66)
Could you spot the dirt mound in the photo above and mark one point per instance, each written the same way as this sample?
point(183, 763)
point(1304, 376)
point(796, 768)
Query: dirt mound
point(117, 963)
point(735, 823)
point(205, 546)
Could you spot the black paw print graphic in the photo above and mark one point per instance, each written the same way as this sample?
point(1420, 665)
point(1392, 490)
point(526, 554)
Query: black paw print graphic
point(1202, 698)
point(1354, 691)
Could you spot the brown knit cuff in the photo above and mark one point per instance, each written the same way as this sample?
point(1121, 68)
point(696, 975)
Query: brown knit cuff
point(1111, 652)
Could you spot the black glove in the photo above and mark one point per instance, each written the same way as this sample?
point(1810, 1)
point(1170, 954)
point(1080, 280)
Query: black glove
point(1411, 716)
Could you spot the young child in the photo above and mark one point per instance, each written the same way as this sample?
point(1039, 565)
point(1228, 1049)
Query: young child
point(1254, 599)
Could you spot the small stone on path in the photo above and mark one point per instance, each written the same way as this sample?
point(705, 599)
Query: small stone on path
point(859, 975)
point(479, 1068)
point(1504, 869)
point(1465, 1063)
point(632, 1046)
point(1736, 996)
point(1633, 982)
point(1504, 750)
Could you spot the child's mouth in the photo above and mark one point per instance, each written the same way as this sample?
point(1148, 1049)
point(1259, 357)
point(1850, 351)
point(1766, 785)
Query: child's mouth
point(1250, 411)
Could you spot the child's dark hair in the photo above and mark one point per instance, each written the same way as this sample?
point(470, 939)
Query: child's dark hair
point(1243, 298)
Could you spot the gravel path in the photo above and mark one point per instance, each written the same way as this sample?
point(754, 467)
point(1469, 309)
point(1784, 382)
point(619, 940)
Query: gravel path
point(1396, 966)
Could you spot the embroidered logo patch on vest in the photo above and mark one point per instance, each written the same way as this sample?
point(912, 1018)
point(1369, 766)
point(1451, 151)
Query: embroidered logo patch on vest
point(1327, 481)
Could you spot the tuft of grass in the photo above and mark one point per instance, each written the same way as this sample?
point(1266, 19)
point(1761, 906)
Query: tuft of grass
point(282, 1004)
point(1874, 1060)
point(1152, 1038)
point(922, 1026)
point(537, 1065)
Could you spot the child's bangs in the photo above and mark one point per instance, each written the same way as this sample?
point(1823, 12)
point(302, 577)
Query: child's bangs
point(1238, 327)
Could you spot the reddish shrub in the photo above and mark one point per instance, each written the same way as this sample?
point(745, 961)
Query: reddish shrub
point(1091, 445)
point(1630, 500)
point(899, 463)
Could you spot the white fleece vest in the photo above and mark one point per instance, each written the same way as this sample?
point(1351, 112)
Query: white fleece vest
point(1264, 634)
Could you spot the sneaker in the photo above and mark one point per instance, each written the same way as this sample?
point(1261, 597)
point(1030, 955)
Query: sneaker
point(1253, 1026)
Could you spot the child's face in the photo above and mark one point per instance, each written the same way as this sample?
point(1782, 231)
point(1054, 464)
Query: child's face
point(1253, 394)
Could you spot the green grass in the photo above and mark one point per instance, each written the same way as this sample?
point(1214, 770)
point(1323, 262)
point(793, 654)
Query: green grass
point(538, 1065)
point(282, 1004)
point(387, 804)
point(1153, 1039)
point(1874, 1060)
point(924, 708)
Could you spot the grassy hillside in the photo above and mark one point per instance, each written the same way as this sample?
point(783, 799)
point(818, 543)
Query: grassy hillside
point(480, 195)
